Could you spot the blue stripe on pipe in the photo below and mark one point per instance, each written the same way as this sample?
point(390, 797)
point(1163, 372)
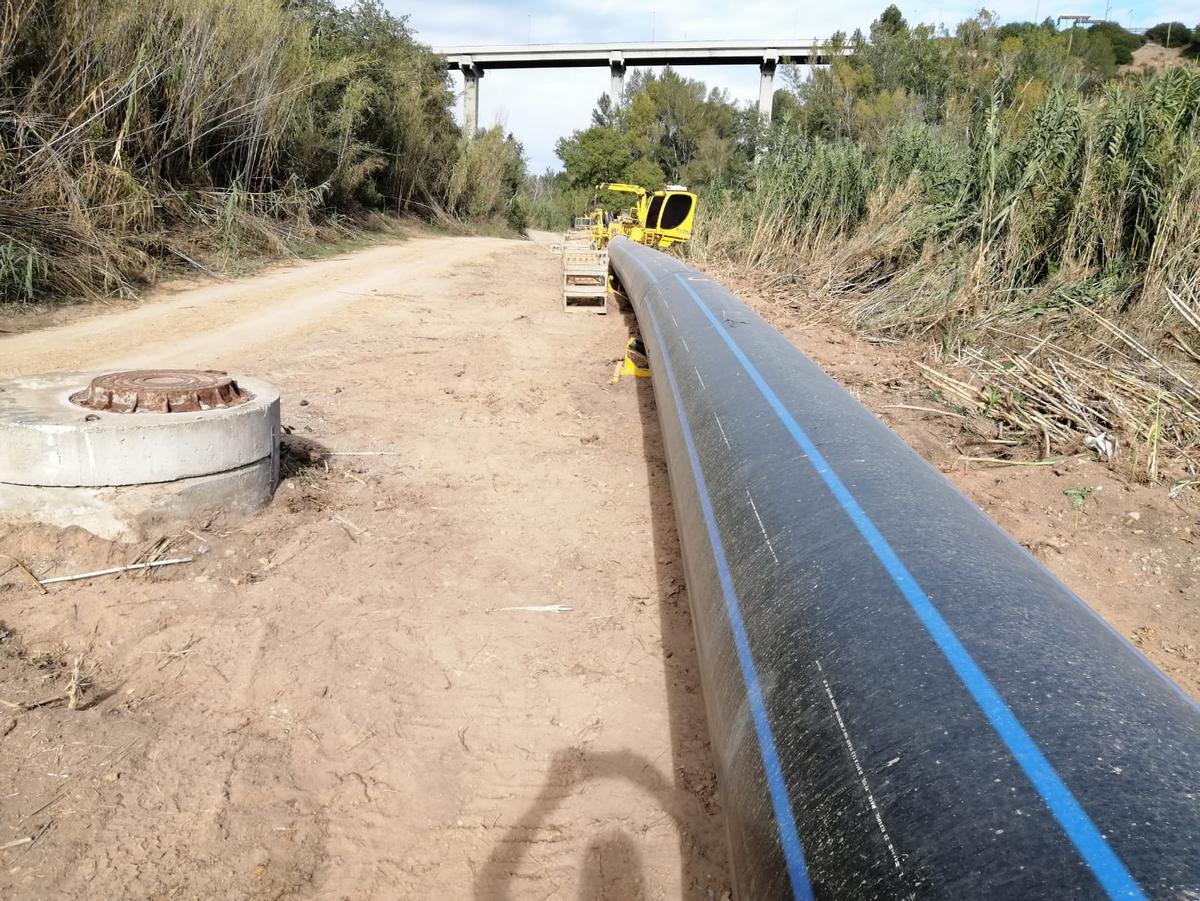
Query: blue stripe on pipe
point(1108, 869)
point(789, 837)
point(1125, 642)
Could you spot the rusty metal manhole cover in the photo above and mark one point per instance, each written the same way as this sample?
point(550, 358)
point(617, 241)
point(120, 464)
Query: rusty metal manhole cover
point(161, 391)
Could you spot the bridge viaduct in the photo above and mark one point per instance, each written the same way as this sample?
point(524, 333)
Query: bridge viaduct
point(767, 55)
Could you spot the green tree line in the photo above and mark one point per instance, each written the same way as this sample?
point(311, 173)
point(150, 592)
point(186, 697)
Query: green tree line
point(666, 129)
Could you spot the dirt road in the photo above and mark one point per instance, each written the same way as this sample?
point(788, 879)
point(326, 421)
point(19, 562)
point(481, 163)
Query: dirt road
point(342, 697)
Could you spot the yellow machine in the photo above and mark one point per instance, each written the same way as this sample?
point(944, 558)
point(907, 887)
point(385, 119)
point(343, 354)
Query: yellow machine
point(658, 218)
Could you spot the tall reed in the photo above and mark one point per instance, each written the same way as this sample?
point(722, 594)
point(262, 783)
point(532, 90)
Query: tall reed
point(1061, 234)
point(138, 134)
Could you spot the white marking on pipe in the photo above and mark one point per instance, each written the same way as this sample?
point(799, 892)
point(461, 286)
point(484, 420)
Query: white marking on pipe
point(762, 528)
point(685, 344)
point(722, 428)
point(862, 777)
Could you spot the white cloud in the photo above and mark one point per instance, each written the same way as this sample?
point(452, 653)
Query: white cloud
point(541, 106)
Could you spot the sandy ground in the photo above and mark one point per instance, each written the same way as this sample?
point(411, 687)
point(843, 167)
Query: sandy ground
point(333, 701)
point(336, 700)
point(1155, 57)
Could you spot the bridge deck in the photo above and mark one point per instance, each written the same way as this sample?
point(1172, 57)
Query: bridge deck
point(660, 53)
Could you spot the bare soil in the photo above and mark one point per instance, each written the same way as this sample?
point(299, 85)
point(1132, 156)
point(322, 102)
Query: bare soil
point(1151, 57)
point(340, 697)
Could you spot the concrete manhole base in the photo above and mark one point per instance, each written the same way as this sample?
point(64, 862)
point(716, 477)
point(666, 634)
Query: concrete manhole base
point(132, 512)
point(126, 471)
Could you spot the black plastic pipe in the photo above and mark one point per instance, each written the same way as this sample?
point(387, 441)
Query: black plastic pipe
point(903, 703)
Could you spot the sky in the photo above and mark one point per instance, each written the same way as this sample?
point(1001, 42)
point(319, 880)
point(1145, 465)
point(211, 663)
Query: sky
point(540, 106)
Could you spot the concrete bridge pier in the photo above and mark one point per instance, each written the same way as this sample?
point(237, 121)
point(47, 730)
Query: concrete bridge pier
point(616, 78)
point(471, 75)
point(766, 86)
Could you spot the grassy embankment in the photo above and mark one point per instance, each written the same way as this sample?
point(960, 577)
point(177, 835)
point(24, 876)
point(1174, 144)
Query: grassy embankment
point(1036, 221)
point(139, 136)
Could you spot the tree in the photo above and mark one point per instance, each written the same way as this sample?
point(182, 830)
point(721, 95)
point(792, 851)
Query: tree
point(379, 121)
point(1123, 42)
point(669, 129)
point(647, 173)
point(1096, 51)
point(1170, 34)
point(890, 21)
point(606, 114)
point(594, 155)
point(487, 176)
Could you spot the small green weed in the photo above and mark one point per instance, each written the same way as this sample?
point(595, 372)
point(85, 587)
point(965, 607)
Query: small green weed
point(1078, 496)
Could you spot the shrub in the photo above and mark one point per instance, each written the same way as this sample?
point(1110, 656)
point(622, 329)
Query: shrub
point(1170, 34)
point(1123, 42)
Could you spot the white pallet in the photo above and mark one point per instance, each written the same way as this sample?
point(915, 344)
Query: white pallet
point(584, 279)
